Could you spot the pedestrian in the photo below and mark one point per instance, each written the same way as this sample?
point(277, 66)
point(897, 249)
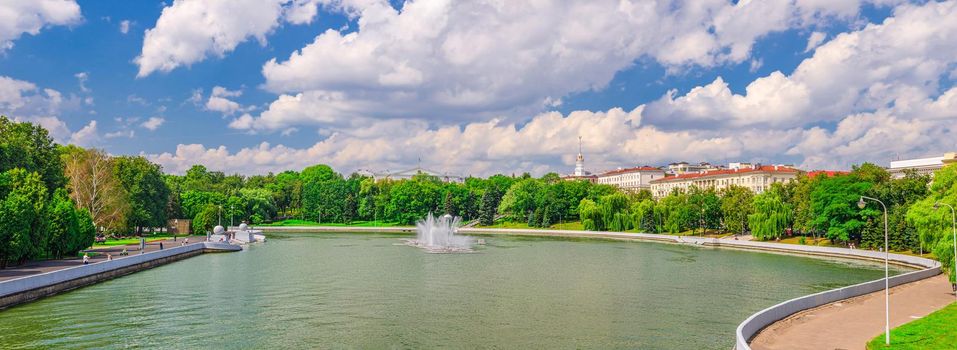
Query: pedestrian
point(86, 259)
point(124, 253)
point(186, 241)
point(109, 257)
point(161, 245)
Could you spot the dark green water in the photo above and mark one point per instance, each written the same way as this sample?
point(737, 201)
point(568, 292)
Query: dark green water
point(365, 291)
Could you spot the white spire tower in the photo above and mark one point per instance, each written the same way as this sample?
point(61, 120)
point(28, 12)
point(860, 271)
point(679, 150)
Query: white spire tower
point(580, 161)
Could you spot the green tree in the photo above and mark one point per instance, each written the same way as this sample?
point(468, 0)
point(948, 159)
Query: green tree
point(487, 208)
point(449, 204)
point(736, 206)
point(834, 204)
point(29, 147)
point(771, 214)
point(22, 207)
point(206, 218)
point(146, 190)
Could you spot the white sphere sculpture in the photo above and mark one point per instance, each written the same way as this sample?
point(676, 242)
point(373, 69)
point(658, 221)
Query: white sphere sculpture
point(243, 226)
point(218, 230)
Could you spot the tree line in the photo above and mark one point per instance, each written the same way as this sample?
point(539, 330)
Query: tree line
point(54, 199)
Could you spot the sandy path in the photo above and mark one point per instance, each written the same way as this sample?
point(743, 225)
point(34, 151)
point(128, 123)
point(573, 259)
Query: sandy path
point(850, 324)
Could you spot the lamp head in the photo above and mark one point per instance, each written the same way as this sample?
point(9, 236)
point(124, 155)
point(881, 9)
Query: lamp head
point(861, 204)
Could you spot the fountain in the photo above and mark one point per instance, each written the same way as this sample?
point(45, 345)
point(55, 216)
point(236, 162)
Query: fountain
point(437, 235)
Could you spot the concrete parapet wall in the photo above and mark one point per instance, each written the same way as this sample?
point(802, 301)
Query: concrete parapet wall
point(29, 288)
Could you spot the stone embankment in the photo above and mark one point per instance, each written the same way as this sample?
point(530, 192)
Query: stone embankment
point(29, 288)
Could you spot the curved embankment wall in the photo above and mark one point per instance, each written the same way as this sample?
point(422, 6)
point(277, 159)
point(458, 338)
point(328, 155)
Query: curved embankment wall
point(756, 322)
point(29, 288)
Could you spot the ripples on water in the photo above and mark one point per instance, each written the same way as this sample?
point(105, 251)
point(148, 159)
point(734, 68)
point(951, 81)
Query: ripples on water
point(364, 291)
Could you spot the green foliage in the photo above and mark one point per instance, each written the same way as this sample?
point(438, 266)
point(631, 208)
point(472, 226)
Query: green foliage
point(147, 192)
point(206, 219)
point(771, 214)
point(736, 207)
point(834, 204)
point(590, 215)
point(22, 208)
point(487, 208)
point(29, 147)
point(69, 230)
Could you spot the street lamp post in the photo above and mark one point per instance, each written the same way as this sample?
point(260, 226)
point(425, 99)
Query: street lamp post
point(219, 215)
point(953, 219)
point(887, 303)
point(230, 215)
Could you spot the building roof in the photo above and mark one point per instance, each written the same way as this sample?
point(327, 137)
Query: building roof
point(762, 169)
point(630, 170)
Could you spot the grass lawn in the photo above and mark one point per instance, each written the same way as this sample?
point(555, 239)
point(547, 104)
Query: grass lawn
point(572, 226)
point(133, 240)
point(807, 241)
point(935, 331)
point(297, 222)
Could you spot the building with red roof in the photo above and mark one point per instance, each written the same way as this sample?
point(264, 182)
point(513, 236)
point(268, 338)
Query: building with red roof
point(757, 178)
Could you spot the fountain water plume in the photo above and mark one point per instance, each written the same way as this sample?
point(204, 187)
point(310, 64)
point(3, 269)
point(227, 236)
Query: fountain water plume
point(437, 235)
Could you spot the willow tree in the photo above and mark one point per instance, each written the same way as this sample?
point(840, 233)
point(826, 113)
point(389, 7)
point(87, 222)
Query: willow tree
point(771, 214)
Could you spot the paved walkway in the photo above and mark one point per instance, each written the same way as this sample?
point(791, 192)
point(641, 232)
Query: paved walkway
point(850, 324)
point(38, 267)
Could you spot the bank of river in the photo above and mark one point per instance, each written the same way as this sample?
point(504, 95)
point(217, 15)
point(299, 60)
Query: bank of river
point(368, 291)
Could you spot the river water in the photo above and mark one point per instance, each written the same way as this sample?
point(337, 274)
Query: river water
point(369, 291)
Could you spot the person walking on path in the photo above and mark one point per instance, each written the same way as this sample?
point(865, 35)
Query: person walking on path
point(86, 259)
point(161, 245)
point(109, 257)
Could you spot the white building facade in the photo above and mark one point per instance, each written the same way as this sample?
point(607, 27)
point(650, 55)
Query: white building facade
point(923, 166)
point(756, 178)
point(631, 179)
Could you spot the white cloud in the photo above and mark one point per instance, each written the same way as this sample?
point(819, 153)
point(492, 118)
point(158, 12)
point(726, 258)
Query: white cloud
point(893, 63)
point(153, 123)
point(190, 31)
point(120, 133)
point(86, 136)
point(19, 17)
point(430, 60)
point(815, 40)
point(219, 101)
point(81, 78)
point(125, 26)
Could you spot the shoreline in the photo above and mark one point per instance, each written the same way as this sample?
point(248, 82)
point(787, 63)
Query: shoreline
point(750, 327)
point(29, 288)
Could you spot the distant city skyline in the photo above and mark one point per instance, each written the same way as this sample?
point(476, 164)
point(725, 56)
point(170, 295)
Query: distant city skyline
point(482, 87)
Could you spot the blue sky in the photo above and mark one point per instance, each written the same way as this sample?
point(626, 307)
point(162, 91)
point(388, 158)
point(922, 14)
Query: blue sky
point(477, 89)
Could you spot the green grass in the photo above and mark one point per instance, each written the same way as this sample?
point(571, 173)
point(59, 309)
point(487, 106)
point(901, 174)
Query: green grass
point(571, 226)
point(935, 331)
point(133, 240)
point(297, 222)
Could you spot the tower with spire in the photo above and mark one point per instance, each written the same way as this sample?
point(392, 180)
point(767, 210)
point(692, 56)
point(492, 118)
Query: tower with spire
point(580, 161)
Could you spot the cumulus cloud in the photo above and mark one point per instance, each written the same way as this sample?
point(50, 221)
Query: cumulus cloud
point(815, 40)
point(897, 62)
point(428, 60)
point(86, 136)
point(189, 31)
point(219, 101)
point(29, 17)
point(24, 101)
point(153, 123)
point(548, 142)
